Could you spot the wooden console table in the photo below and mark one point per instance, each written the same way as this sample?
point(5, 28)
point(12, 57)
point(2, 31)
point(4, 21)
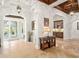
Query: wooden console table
point(47, 42)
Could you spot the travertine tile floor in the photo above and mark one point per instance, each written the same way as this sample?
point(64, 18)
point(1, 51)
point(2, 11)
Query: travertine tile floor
point(20, 49)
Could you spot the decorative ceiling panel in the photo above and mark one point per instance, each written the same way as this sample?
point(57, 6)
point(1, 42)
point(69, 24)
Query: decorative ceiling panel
point(48, 1)
point(68, 6)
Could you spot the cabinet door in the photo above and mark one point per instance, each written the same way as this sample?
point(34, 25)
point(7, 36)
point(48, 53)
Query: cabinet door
point(58, 34)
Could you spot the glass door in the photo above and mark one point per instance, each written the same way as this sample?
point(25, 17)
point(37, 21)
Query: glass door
point(10, 30)
point(6, 30)
point(13, 29)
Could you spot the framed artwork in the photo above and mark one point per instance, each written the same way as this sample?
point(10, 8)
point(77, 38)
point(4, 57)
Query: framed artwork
point(58, 24)
point(46, 22)
point(77, 25)
point(33, 25)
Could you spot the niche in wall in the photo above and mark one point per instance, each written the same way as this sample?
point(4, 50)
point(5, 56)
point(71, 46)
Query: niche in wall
point(58, 26)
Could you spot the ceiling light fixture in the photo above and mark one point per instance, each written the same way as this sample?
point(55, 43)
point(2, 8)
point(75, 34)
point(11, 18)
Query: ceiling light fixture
point(73, 7)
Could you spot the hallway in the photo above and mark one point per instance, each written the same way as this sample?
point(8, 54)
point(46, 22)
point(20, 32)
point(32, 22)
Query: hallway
point(24, 22)
point(20, 49)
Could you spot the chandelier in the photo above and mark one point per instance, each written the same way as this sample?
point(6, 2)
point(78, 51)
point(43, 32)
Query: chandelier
point(73, 6)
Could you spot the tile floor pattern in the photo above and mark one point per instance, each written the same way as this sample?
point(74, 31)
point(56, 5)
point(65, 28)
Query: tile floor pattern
point(20, 49)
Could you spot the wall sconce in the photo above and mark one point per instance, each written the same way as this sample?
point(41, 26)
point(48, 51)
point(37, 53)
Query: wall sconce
point(46, 29)
point(18, 9)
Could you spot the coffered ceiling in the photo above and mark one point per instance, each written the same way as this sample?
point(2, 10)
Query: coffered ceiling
point(64, 5)
point(68, 6)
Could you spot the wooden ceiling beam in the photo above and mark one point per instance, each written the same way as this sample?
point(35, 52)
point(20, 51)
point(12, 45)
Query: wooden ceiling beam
point(68, 6)
point(48, 1)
